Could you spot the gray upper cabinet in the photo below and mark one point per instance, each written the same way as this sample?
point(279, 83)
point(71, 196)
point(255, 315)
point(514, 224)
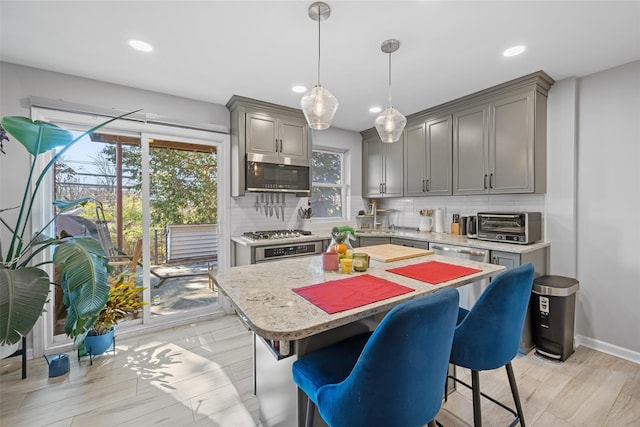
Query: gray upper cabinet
point(427, 157)
point(490, 142)
point(470, 150)
point(280, 136)
point(277, 133)
point(493, 147)
point(499, 146)
point(382, 167)
point(512, 144)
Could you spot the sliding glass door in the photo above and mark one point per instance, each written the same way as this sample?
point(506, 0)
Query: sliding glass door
point(157, 190)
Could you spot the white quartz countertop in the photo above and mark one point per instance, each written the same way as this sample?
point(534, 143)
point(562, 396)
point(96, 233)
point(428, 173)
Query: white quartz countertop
point(262, 293)
point(404, 233)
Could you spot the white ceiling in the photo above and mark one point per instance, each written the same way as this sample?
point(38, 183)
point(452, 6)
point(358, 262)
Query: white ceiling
point(211, 50)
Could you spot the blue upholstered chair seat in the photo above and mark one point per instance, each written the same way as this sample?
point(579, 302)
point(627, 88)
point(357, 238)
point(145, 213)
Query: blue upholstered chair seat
point(391, 377)
point(330, 365)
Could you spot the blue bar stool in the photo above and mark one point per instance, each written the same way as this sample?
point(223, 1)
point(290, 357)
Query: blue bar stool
point(487, 337)
point(391, 377)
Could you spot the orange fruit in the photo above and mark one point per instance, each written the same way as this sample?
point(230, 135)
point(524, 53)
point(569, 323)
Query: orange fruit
point(341, 248)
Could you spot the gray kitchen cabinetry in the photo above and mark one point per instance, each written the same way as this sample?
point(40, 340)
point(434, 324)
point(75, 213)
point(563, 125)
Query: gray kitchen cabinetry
point(540, 260)
point(281, 136)
point(427, 157)
point(421, 244)
point(372, 240)
point(499, 147)
point(382, 166)
point(276, 133)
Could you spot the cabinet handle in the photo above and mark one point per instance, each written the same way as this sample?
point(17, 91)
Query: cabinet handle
point(427, 186)
point(494, 260)
point(485, 181)
point(276, 145)
point(380, 188)
point(281, 145)
point(491, 181)
point(423, 186)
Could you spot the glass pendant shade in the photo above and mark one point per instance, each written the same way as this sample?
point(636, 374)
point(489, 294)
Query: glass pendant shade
point(319, 106)
point(390, 124)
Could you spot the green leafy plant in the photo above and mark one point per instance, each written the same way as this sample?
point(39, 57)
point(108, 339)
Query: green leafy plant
point(124, 302)
point(83, 266)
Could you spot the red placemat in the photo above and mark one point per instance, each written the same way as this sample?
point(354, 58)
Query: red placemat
point(434, 272)
point(345, 294)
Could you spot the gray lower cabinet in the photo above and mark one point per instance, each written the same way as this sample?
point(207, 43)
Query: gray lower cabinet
point(540, 260)
point(382, 167)
point(500, 146)
point(421, 244)
point(373, 240)
point(427, 157)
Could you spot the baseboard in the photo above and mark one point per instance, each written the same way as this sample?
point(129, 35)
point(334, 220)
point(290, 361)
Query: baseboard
point(614, 350)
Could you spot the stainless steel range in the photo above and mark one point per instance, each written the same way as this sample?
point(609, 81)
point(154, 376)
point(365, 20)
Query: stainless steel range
point(272, 245)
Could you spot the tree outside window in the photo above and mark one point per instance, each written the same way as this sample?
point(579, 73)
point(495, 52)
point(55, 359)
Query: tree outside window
point(327, 191)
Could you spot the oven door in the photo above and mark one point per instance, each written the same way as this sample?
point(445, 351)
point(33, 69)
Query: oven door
point(276, 252)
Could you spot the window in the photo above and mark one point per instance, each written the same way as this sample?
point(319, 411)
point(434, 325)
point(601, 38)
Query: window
point(327, 190)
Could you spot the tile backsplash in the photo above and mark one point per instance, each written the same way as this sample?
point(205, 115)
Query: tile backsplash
point(406, 210)
point(244, 216)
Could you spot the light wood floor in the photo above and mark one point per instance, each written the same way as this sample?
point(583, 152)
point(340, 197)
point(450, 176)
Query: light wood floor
point(200, 375)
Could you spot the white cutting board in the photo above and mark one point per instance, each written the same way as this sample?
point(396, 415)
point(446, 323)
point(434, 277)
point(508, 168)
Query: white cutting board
point(390, 253)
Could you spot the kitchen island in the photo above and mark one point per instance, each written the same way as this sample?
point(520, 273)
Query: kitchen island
point(287, 326)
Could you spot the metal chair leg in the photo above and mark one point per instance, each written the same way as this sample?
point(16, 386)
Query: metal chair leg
point(475, 388)
point(311, 407)
point(514, 392)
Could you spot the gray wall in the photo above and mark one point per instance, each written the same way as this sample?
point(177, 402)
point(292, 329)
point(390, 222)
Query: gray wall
point(594, 149)
point(608, 202)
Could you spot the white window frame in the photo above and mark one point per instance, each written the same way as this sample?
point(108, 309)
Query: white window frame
point(344, 188)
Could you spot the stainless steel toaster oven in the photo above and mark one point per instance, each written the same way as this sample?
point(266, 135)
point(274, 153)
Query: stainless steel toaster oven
point(508, 227)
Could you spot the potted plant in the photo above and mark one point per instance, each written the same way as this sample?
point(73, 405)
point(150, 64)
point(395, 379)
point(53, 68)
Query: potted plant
point(124, 302)
point(81, 262)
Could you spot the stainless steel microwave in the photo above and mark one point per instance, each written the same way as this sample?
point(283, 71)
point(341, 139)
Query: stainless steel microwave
point(508, 227)
point(276, 177)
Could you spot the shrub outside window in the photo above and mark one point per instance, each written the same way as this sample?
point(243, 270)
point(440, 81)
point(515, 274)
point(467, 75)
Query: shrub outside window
point(327, 189)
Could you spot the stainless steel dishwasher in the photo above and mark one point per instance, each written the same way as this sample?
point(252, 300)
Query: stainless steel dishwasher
point(470, 293)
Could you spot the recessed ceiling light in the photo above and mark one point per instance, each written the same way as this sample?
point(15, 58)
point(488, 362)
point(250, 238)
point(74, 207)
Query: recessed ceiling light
point(514, 50)
point(140, 45)
point(299, 89)
point(375, 109)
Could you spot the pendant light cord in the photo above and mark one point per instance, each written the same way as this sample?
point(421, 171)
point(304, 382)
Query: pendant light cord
point(319, 19)
point(389, 79)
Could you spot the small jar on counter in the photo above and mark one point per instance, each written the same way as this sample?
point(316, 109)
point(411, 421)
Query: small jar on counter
point(360, 262)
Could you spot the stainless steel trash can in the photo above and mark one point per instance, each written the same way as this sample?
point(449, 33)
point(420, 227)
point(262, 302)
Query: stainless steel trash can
point(553, 307)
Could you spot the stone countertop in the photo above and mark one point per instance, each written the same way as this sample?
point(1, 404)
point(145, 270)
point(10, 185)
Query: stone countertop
point(406, 233)
point(262, 293)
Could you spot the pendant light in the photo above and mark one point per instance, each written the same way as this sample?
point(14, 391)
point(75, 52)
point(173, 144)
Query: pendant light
point(390, 123)
point(319, 105)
